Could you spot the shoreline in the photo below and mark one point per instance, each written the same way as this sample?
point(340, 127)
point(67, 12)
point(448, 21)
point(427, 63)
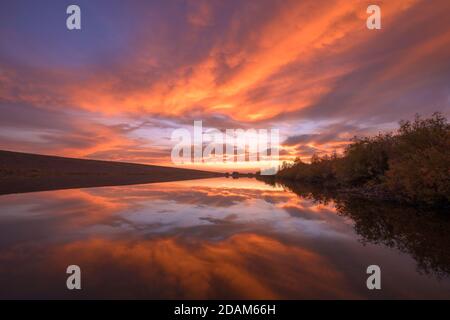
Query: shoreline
point(25, 172)
point(336, 190)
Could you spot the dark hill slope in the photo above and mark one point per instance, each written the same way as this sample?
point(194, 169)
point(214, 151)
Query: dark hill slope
point(24, 172)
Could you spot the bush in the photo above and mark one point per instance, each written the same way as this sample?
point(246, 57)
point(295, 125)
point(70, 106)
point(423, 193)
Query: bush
point(412, 163)
point(365, 160)
point(419, 169)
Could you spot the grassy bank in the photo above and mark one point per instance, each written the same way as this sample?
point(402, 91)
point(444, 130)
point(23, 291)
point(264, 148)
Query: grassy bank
point(411, 164)
point(25, 172)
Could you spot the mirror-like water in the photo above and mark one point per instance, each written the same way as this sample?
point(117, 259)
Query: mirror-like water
point(217, 238)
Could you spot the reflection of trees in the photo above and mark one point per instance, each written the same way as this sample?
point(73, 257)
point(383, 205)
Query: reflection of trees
point(423, 234)
point(306, 191)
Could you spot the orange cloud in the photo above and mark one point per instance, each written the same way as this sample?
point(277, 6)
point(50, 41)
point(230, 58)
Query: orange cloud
point(246, 65)
point(297, 32)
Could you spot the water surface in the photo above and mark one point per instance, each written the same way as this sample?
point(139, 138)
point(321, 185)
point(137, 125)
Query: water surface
point(216, 238)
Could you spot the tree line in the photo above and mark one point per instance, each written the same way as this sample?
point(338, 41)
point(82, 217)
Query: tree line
point(410, 164)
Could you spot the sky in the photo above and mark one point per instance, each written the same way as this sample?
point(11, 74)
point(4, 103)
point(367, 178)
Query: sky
point(138, 70)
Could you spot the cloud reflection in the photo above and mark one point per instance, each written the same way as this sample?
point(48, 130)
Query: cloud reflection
point(184, 240)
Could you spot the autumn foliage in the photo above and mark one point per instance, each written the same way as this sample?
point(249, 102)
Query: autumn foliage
point(411, 164)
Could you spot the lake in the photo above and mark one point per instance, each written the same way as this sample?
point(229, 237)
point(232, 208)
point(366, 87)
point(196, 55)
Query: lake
point(217, 238)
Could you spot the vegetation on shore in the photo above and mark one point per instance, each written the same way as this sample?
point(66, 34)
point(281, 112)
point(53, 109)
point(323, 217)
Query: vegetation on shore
point(410, 165)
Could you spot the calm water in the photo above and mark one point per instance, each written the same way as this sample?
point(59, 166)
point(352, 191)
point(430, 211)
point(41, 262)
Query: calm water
point(216, 238)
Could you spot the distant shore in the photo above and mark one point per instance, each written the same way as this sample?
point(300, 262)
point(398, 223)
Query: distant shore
point(26, 172)
point(410, 165)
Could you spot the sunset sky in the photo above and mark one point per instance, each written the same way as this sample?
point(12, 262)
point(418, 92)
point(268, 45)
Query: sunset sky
point(137, 70)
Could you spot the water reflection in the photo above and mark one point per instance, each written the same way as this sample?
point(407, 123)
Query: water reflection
point(420, 232)
point(213, 238)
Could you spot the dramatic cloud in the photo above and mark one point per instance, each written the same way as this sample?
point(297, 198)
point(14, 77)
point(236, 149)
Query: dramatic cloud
point(137, 70)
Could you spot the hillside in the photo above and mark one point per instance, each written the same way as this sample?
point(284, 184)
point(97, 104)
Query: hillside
point(24, 172)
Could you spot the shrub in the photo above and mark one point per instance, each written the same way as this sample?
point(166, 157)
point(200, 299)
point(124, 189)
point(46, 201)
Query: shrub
point(419, 169)
point(412, 163)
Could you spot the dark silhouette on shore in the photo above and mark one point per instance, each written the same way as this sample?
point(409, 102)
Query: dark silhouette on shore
point(24, 172)
point(410, 165)
point(237, 175)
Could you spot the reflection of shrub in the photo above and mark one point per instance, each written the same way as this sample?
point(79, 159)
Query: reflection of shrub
point(413, 163)
point(424, 233)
